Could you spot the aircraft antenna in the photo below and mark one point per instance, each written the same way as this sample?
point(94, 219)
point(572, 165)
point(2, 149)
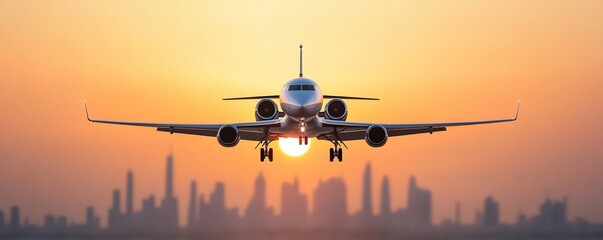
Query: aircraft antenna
point(301, 72)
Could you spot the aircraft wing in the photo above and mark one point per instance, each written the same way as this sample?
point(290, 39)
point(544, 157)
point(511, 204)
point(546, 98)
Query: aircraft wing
point(247, 130)
point(357, 130)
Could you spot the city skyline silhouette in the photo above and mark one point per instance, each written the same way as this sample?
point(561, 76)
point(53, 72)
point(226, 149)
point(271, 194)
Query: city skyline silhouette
point(210, 212)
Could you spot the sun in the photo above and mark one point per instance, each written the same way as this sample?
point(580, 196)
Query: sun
point(291, 147)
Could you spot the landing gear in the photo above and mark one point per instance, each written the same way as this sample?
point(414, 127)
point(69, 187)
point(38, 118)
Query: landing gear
point(336, 151)
point(265, 151)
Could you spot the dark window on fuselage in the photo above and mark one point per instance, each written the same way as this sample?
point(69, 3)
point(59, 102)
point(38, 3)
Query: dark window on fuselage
point(308, 88)
point(295, 87)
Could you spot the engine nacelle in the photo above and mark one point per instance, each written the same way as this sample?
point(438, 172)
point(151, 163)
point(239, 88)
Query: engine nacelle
point(228, 136)
point(376, 136)
point(266, 109)
point(336, 109)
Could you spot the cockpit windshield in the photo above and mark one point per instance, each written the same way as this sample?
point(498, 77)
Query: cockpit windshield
point(295, 87)
point(301, 88)
point(308, 88)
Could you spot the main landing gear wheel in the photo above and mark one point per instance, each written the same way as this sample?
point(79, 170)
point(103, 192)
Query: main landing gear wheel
point(265, 151)
point(300, 140)
point(331, 154)
point(336, 151)
point(269, 153)
point(305, 140)
point(262, 155)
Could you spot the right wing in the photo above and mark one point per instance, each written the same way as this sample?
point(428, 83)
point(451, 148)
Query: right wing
point(247, 130)
point(357, 130)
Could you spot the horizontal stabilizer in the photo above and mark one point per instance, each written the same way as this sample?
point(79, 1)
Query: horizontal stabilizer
point(349, 97)
point(252, 97)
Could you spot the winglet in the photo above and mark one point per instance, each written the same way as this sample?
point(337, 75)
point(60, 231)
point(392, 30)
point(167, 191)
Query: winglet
point(86, 108)
point(517, 113)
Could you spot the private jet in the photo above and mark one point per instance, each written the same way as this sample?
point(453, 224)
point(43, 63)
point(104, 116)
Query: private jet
point(300, 116)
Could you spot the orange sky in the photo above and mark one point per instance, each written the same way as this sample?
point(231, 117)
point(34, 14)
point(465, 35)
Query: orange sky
point(426, 60)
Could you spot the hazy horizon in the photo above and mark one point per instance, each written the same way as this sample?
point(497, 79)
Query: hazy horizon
point(427, 61)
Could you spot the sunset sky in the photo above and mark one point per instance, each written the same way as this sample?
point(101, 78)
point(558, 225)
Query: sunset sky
point(426, 60)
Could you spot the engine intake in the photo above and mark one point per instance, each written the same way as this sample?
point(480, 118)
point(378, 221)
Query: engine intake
point(266, 109)
point(376, 136)
point(228, 136)
point(336, 109)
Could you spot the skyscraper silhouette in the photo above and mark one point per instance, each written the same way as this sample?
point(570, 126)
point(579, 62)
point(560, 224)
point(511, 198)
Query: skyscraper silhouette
point(552, 215)
point(213, 214)
point(129, 197)
point(15, 219)
point(92, 221)
point(419, 204)
point(169, 205)
point(192, 206)
point(294, 206)
point(367, 203)
point(457, 213)
point(147, 220)
point(330, 204)
point(491, 212)
point(114, 215)
point(50, 222)
point(385, 212)
point(2, 221)
point(257, 214)
point(385, 198)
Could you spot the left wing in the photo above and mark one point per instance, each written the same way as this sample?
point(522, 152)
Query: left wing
point(247, 130)
point(356, 130)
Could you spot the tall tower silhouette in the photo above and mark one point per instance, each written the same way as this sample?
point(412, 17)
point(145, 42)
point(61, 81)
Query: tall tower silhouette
point(257, 214)
point(294, 205)
point(114, 215)
point(15, 219)
point(419, 204)
point(367, 203)
point(130, 196)
point(457, 213)
point(192, 207)
point(169, 205)
point(385, 198)
point(491, 212)
point(169, 177)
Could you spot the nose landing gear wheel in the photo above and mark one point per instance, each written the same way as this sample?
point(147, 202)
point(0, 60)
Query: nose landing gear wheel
point(300, 140)
point(270, 155)
point(305, 140)
point(340, 155)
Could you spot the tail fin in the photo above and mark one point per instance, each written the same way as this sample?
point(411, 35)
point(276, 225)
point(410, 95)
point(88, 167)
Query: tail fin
point(301, 72)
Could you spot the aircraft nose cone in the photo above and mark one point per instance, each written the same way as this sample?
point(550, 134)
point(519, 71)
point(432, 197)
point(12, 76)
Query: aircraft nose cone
point(303, 100)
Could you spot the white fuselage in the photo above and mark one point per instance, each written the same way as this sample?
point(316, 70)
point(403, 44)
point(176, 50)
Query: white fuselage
point(301, 101)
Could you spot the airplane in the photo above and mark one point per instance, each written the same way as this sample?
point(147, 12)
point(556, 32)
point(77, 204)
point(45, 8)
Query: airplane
point(301, 101)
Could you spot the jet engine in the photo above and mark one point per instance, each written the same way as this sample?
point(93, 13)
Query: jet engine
point(266, 109)
point(336, 110)
point(228, 136)
point(376, 136)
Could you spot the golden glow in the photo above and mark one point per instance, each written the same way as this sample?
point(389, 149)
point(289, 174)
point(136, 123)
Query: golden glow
point(291, 147)
point(427, 60)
